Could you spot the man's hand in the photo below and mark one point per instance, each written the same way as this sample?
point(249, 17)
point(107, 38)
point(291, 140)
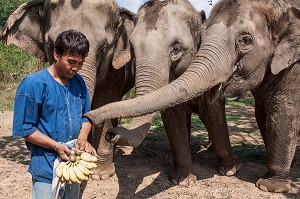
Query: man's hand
point(63, 151)
point(44, 141)
point(83, 144)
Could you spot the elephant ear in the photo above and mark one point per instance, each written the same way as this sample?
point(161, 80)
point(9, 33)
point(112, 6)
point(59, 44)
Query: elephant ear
point(288, 48)
point(200, 19)
point(122, 52)
point(23, 29)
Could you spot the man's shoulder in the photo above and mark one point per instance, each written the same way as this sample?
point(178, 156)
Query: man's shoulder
point(79, 79)
point(35, 79)
point(39, 73)
point(78, 76)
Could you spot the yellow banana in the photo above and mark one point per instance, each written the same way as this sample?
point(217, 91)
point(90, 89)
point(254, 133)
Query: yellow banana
point(72, 175)
point(94, 165)
point(66, 172)
point(79, 174)
point(88, 165)
point(62, 179)
point(86, 156)
point(59, 169)
point(94, 159)
point(83, 169)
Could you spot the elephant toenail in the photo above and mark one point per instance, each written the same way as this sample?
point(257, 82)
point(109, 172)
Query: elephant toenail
point(95, 177)
point(105, 176)
point(230, 173)
point(183, 184)
point(191, 182)
point(263, 188)
point(221, 172)
point(174, 181)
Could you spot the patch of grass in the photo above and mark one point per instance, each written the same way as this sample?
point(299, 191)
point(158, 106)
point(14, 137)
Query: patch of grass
point(255, 133)
point(248, 101)
point(196, 123)
point(7, 95)
point(231, 117)
point(15, 64)
point(250, 152)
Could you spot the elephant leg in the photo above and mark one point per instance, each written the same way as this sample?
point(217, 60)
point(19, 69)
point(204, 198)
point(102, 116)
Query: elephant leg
point(214, 118)
point(105, 167)
point(113, 90)
point(177, 127)
point(280, 133)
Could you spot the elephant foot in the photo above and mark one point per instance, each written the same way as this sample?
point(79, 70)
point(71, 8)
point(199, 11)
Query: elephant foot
point(103, 171)
point(183, 177)
point(231, 168)
point(274, 184)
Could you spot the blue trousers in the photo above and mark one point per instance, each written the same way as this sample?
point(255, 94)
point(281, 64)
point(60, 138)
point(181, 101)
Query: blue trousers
point(42, 190)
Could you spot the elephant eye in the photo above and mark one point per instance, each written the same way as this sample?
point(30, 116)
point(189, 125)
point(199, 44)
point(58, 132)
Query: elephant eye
point(245, 42)
point(103, 49)
point(176, 52)
point(176, 48)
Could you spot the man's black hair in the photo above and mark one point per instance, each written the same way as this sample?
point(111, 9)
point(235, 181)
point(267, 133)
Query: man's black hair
point(72, 42)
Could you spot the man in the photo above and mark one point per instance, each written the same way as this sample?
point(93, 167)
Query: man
point(48, 112)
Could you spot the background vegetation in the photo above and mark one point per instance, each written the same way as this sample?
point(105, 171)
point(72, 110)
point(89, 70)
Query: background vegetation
point(7, 7)
point(14, 63)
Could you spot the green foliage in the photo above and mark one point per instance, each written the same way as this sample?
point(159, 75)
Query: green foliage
point(15, 64)
point(7, 7)
point(7, 94)
point(250, 152)
point(248, 101)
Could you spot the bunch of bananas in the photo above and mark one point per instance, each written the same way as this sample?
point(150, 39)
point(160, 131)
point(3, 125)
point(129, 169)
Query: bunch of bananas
point(79, 166)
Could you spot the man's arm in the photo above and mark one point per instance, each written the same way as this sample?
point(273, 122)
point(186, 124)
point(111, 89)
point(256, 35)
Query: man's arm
point(82, 142)
point(85, 130)
point(40, 139)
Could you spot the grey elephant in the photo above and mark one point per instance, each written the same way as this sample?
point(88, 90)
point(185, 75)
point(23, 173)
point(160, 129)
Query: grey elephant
point(164, 41)
point(34, 27)
point(245, 45)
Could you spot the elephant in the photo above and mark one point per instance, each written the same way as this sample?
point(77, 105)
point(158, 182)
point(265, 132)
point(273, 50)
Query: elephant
point(246, 45)
point(108, 69)
point(163, 48)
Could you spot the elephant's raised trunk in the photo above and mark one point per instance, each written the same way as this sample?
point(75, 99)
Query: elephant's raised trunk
point(149, 77)
point(204, 73)
point(89, 71)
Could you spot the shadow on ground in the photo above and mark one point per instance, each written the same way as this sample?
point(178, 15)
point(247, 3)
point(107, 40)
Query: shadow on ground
point(14, 150)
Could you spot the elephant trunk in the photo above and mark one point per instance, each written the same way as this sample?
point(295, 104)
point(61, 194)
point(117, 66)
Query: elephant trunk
point(89, 71)
point(149, 77)
point(210, 67)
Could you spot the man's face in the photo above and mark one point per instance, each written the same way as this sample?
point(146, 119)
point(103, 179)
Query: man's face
point(68, 65)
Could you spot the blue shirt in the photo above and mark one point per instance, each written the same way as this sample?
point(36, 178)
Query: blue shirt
point(54, 109)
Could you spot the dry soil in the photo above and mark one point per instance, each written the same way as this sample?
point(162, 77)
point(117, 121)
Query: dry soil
point(143, 171)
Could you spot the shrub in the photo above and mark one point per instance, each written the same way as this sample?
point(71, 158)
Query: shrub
point(16, 64)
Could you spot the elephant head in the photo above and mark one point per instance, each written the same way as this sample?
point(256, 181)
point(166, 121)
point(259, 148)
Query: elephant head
point(164, 41)
point(245, 45)
point(35, 25)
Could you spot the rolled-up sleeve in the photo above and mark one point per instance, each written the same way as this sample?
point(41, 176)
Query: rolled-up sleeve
point(25, 110)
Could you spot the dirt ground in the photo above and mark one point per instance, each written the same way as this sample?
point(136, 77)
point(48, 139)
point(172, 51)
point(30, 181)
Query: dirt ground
point(144, 172)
